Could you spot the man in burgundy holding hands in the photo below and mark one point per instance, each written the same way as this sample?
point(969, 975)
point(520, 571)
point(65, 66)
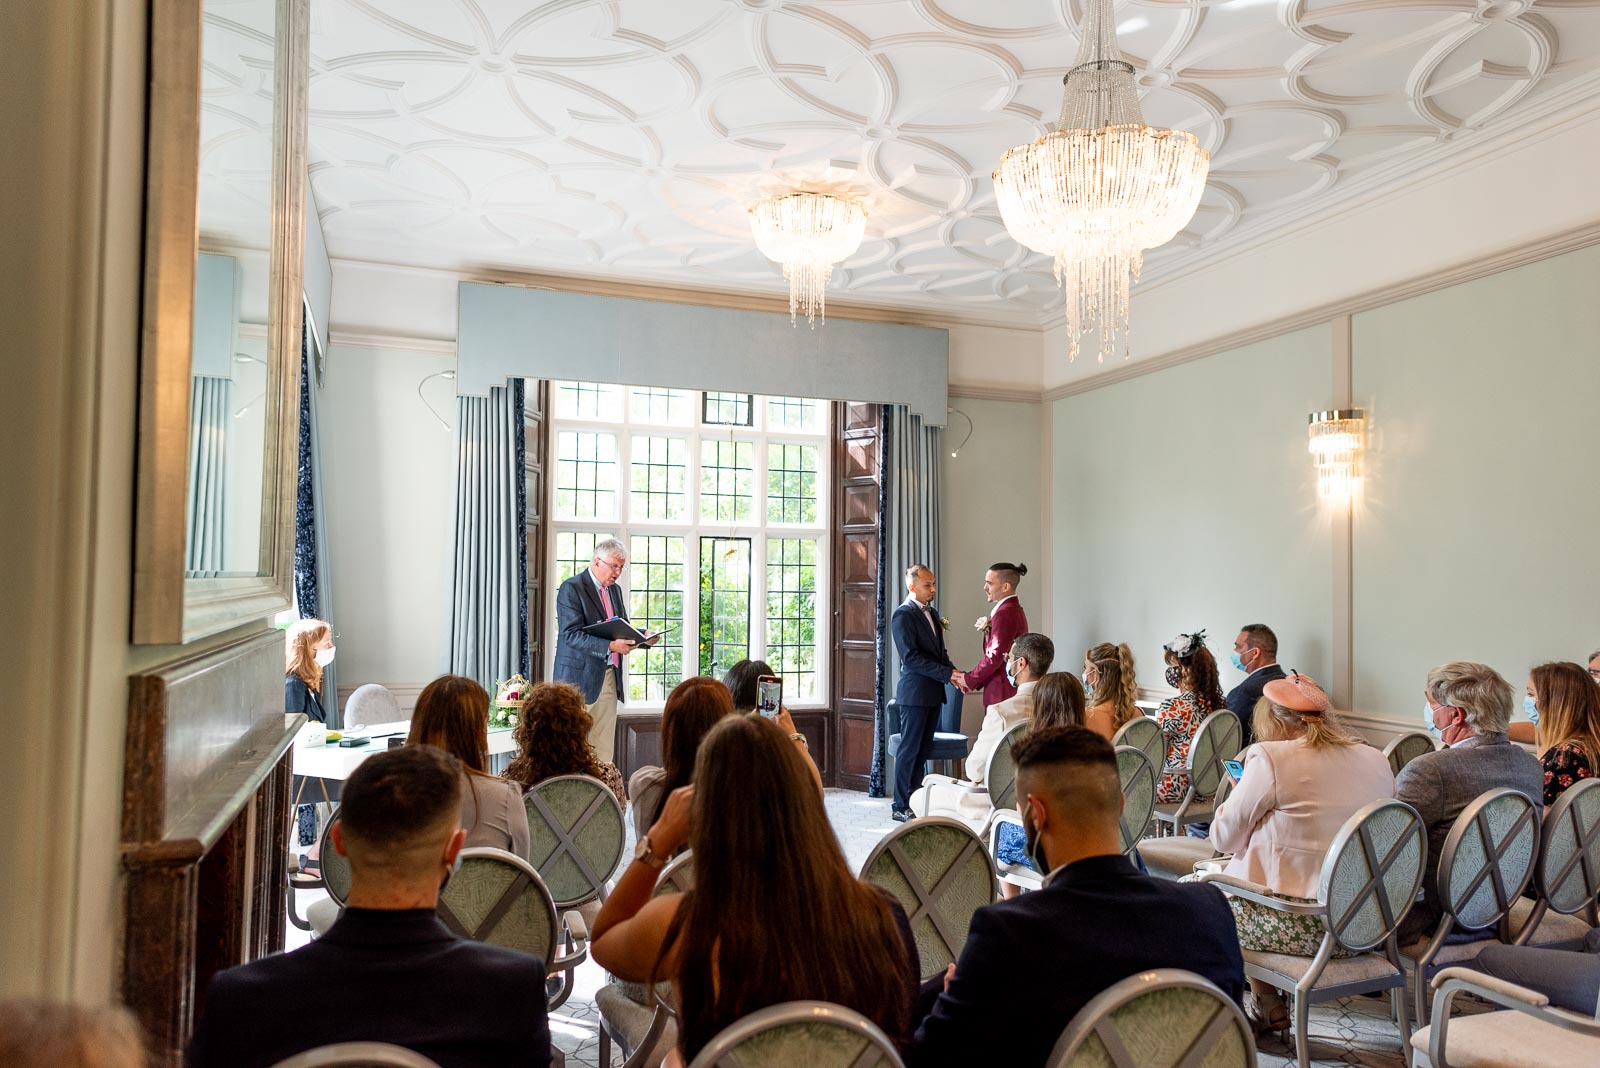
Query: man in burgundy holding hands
point(1005, 623)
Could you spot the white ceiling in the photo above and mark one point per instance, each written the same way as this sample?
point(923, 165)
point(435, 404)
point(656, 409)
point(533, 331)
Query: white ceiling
point(625, 138)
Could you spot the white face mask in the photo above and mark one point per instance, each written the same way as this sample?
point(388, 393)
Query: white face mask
point(325, 657)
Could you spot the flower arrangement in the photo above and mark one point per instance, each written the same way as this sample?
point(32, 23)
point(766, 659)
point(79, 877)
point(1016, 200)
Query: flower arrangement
point(507, 701)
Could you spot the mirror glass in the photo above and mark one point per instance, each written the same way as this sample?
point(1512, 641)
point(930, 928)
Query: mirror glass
point(231, 406)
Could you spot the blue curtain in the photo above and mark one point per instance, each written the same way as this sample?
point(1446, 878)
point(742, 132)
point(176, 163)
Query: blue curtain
point(208, 462)
point(311, 573)
point(489, 580)
point(908, 533)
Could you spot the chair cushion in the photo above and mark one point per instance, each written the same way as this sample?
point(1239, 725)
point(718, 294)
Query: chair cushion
point(628, 1022)
point(1339, 971)
point(321, 915)
point(1448, 953)
point(1510, 1039)
point(1176, 855)
point(1554, 928)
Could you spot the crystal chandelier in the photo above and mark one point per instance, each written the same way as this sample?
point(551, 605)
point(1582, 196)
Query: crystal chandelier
point(1335, 447)
point(807, 233)
point(1102, 188)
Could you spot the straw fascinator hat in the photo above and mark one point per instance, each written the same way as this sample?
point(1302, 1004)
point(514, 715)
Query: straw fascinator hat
point(1298, 693)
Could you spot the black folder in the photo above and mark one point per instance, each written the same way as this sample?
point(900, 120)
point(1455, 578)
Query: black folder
point(617, 627)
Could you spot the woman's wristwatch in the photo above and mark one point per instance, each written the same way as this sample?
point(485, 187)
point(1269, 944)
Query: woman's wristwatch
point(798, 737)
point(643, 852)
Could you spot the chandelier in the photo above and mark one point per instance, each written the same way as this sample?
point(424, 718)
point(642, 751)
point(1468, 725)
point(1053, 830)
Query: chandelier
point(1102, 188)
point(807, 233)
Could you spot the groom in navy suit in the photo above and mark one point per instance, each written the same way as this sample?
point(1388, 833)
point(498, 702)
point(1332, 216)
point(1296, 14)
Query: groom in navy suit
point(925, 669)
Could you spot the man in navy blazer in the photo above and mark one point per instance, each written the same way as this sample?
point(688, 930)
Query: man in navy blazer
point(397, 973)
point(1255, 652)
point(925, 670)
point(1032, 962)
point(593, 664)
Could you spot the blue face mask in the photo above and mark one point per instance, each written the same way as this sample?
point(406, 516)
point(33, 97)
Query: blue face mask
point(1011, 673)
point(1531, 707)
point(1238, 662)
point(1427, 717)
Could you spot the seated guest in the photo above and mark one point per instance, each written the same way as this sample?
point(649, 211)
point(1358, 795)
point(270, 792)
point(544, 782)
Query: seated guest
point(1057, 702)
point(775, 914)
point(1471, 706)
point(44, 1034)
point(1031, 963)
point(1566, 708)
point(1193, 673)
point(741, 682)
point(693, 707)
point(1528, 732)
point(1028, 658)
point(552, 738)
point(1255, 652)
point(1570, 979)
point(1594, 666)
point(1110, 689)
point(452, 713)
point(401, 976)
point(1302, 780)
point(307, 649)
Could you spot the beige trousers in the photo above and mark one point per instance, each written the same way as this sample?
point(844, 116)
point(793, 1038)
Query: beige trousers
point(603, 735)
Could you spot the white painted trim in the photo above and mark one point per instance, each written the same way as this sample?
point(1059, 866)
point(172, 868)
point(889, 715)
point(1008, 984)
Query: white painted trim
point(995, 393)
point(392, 342)
point(1557, 244)
point(1342, 574)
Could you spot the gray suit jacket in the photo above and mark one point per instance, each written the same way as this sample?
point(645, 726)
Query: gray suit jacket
point(582, 659)
point(1439, 785)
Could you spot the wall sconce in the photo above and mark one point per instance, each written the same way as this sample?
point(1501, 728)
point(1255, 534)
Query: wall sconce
point(448, 376)
point(963, 444)
point(1335, 443)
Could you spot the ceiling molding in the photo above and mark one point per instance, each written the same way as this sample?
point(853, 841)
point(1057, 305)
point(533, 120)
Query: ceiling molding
point(393, 343)
point(965, 391)
point(1557, 244)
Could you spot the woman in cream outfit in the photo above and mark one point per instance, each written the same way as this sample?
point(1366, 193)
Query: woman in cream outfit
point(1302, 780)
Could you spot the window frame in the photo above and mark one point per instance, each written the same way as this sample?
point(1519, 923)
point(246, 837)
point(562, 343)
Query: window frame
point(692, 527)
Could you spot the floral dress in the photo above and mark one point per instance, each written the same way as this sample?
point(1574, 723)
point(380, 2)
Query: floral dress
point(1564, 765)
point(1179, 717)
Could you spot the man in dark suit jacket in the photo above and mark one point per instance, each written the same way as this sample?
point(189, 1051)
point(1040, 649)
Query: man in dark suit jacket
point(399, 975)
point(925, 670)
point(593, 664)
point(1032, 962)
point(1255, 652)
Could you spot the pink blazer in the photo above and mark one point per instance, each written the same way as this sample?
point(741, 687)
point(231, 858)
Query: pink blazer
point(1281, 818)
point(1007, 624)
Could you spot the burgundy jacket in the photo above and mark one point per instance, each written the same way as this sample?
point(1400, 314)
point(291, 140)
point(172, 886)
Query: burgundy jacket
point(1007, 624)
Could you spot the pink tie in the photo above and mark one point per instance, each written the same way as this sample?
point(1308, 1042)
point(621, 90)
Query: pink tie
point(605, 602)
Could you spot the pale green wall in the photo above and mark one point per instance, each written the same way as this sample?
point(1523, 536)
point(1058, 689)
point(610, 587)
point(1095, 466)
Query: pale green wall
point(1185, 499)
point(1479, 530)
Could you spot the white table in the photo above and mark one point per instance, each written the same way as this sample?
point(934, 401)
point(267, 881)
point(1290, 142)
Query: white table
point(316, 759)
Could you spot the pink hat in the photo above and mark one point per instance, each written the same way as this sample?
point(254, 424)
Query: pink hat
point(1298, 693)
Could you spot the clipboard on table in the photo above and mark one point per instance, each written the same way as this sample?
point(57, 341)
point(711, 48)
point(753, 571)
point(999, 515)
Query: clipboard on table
point(617, 627)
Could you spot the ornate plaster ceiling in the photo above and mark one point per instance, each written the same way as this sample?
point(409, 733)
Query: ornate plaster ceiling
point(626, 138)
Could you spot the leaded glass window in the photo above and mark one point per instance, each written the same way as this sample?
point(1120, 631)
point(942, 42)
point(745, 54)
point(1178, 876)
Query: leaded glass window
point(651, 404)
point(575, 551)
point(588, 400)
point(792, 614)
point(793, 413)
point(658, 478)
point(586, 475)
point(791, 484)
point(726, 409)
point(724, 603)
point(655, 602)
point(727, 480)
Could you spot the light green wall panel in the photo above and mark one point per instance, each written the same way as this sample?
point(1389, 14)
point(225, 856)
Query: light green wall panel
point(1478, 535)
point(1186, 499)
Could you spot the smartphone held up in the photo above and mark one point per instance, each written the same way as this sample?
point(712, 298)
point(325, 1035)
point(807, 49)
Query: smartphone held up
point(769, 695)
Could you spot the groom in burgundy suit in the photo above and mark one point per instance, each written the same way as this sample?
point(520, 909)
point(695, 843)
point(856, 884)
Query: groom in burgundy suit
point(1006, 623)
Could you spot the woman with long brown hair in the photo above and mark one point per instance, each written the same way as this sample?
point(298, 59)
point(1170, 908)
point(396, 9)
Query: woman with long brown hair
point(775, 914)
point(1566, 705)
point(1057, 701)
point(1108, 676)
point(1192, 671)
point(693, 707)
point(552, 736)
point(452, 714)
point(307, 648)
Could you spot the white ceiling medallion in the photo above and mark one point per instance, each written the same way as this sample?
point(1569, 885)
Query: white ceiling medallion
point(808, 233)
point(1102, 188)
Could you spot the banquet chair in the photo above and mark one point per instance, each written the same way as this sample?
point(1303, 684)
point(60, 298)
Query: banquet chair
point(1407, 747)
point(1144, 734)
point(575, 836)
point(1567, 875)
point(1216, 739)
point(949, 744)
point(940, 873)
point(999, 781)
point(497, 897)
point(358, 1055)
point(371, 704)
point(1174, 856)
point(816, 1034)
point(1534, 1032)
point(1485, 863)
point(1164, 1018)
point(638, 1019)
point(335, 879)
point(1370, 879)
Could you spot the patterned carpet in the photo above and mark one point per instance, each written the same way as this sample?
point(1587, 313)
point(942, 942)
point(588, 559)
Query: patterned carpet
point(1356, 1031)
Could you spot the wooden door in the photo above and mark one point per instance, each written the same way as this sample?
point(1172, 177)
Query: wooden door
point(857, 470)
point(536, 445)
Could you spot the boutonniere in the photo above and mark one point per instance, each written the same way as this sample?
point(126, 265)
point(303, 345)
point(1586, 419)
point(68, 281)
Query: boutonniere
point(944, 624)
point(982, 625)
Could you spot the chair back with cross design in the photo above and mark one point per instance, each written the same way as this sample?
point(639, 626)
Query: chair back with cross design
point(1215, 740)
point(939, 871)
point(1143, 734)
point(497, 897)
point(1372, 873)
point(1406, 748)
point(1138, 779)
point(1167, 1016)
point(335, 865)
point(575, 836)
point(817, 1034)
point(1567, 874)
point(1001, 777)
point(358, 1055)
point(1488, 857)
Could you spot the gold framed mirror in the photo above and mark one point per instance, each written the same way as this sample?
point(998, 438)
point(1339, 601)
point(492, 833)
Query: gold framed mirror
point(220, 354)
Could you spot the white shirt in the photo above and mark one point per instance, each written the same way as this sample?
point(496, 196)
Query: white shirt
point(1001, 601)
point(926, 610)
